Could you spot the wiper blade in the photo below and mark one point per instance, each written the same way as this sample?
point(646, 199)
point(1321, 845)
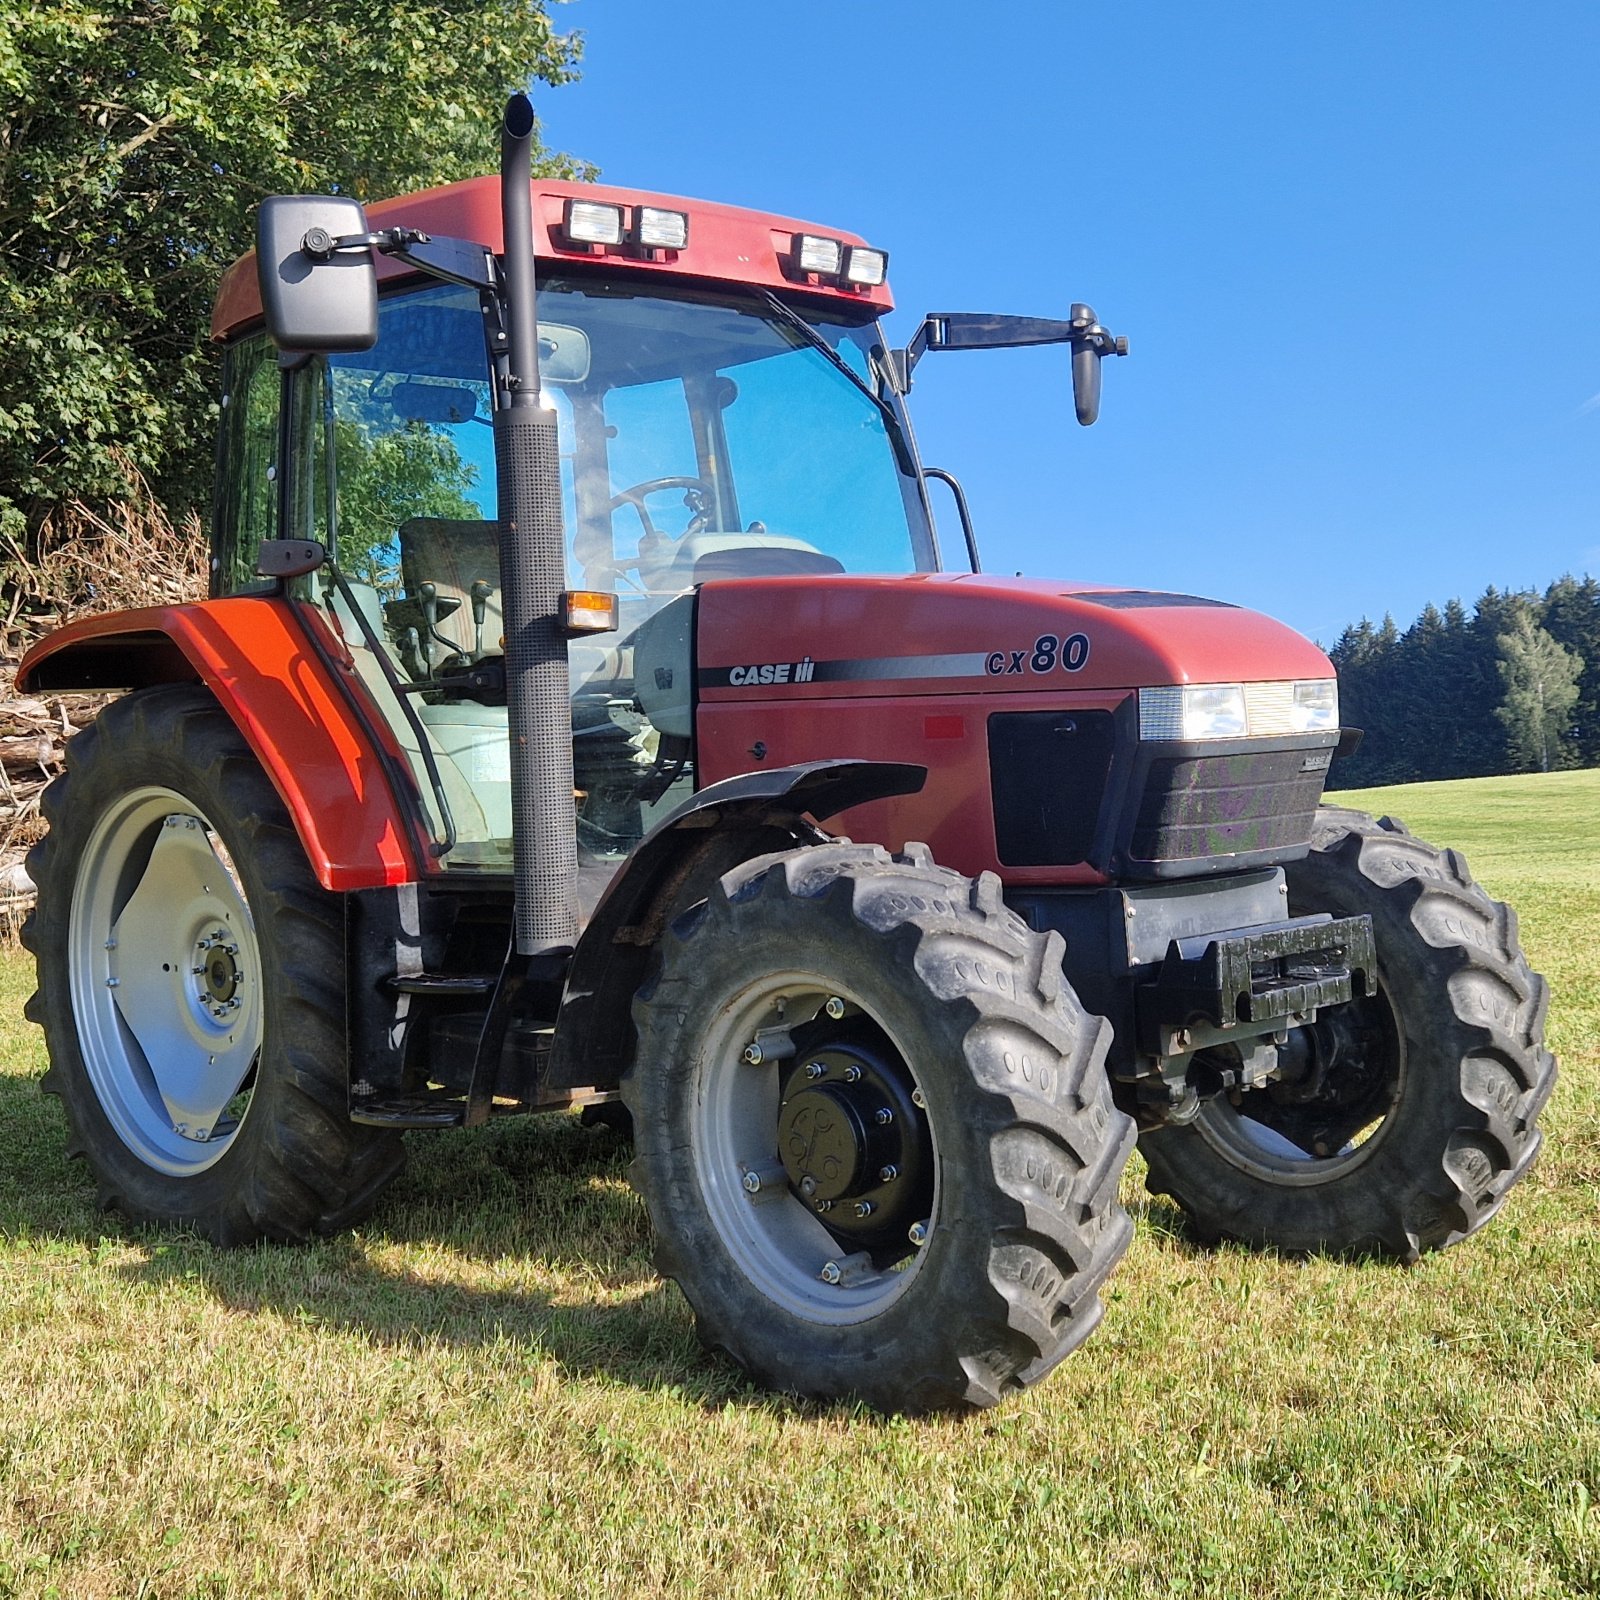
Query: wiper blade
point(791, 319)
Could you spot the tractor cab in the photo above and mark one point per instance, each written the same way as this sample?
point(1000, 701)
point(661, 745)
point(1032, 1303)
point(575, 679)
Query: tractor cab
point(706, 431)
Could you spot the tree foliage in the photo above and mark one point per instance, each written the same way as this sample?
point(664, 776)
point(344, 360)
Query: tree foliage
point(1456, 696)
point(136, 137)
point(1541, 680)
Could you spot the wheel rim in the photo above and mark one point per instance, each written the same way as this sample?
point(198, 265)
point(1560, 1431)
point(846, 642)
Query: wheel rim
point(834, 1276)
point(165, 975)
point(1275, 1138)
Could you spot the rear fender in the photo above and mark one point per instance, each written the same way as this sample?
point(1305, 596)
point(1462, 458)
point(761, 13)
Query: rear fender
point(673, 869)
point(291, 702)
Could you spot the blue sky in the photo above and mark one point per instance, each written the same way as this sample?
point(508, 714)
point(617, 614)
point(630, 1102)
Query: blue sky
point(1356, 248)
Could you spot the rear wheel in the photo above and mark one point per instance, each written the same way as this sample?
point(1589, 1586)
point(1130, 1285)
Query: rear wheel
point(190, 974)
point(874, 1132)
point(1408, 1114)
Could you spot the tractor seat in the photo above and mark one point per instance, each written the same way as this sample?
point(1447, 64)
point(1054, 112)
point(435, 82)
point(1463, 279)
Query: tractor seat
point(452, 554)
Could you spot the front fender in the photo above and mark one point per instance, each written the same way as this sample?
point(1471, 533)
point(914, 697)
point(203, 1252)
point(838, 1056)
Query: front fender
point(287, 700)
point(674, 867)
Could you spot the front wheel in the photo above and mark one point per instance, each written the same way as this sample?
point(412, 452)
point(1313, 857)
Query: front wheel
point(1408, 1114)
point(190, 974)
point(875, 1133)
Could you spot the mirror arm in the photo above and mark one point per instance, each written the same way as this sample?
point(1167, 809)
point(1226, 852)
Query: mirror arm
point(460, 261)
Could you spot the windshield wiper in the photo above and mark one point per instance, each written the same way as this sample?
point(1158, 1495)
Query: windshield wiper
point(792, 320)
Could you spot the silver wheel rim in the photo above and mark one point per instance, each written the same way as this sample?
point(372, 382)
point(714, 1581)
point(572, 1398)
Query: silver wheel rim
point(778, 1242)
point(165, 977)
point(1265, 1153)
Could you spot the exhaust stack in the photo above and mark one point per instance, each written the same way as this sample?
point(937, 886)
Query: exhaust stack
point(532, 577)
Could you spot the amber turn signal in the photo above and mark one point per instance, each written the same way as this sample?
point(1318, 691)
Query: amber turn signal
point(588, 611)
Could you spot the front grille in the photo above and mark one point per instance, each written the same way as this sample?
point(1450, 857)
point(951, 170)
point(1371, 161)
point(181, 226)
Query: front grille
point(1225, 805)
point(1047, 772)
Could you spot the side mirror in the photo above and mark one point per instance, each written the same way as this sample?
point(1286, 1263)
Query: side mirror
point(316, 295)
point(1090, 345)
point(966, 330)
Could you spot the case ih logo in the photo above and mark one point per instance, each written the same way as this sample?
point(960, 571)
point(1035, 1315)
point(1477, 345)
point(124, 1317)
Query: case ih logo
point(1070, 654)
point(773, 672)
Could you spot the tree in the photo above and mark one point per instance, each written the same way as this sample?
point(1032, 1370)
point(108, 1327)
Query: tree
point(136, 137)
point(1572, 619)
point(1541, 689)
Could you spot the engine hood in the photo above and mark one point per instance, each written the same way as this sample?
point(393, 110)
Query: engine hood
point(937, 633)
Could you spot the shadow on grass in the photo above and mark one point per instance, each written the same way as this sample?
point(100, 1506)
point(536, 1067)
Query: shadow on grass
point(523, 1235)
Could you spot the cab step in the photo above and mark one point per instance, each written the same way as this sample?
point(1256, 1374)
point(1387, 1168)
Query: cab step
point(452, 985)
point(434, 1108)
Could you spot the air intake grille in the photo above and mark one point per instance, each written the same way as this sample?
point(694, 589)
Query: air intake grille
point(1202, 806)
point(1047, 771)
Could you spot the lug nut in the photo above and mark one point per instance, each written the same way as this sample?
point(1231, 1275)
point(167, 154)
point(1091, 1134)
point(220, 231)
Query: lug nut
point(815, 1070)
point(883, 1117)
point(830, 1272)
point(864, 1208)
point(888, 1174)
point(834, 1007)
point(823, 1205)
point(852, 1074)
point(752, 1183)
point(917, 1233)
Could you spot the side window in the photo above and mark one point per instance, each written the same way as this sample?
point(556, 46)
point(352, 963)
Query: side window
point(246, 510)
point(410, 427)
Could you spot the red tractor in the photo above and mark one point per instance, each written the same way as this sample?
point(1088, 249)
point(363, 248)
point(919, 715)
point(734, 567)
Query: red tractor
point(491, 778)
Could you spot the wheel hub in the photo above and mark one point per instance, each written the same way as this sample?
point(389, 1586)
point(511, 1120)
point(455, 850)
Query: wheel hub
point(853, 1141)
point(823, 1140)
point(219, 974)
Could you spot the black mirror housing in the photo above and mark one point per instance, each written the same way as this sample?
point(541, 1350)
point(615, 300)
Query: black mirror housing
point(322, 302)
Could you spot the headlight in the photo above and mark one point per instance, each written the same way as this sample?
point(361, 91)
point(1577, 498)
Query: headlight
point(1196, 711)
point(1316, 705)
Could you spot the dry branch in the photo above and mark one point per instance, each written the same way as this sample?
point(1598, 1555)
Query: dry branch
point(84, 559)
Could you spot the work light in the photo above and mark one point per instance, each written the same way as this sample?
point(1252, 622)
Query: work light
point(657, 229)
point(865, 267)
point(593, 222)
point(815, 254)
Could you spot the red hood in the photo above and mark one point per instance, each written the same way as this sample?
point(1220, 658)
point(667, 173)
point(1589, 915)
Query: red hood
point(937, 633)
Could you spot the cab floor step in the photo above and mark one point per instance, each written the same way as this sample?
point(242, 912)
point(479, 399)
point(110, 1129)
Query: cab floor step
point(437, 1110)
point(442, 983)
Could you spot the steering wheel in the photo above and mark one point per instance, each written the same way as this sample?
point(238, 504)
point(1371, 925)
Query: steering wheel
point(703, 498)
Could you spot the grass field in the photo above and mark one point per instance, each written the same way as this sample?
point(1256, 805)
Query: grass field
point(487, 1392)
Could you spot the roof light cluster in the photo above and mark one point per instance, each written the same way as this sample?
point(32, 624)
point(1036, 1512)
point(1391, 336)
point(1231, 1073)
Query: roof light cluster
point(650, 228)
point(855, 265)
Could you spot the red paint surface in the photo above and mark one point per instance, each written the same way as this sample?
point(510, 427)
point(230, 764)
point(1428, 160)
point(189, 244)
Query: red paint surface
point(251, 654)
point(726, 243)
point(751, 621)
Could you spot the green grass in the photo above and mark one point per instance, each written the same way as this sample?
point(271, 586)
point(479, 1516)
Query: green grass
point(487, 1391)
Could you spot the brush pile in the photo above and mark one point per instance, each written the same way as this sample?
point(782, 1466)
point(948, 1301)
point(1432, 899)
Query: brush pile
point(113, 556)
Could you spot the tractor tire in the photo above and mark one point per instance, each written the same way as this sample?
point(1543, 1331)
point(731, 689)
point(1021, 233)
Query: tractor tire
point(874, 1131)
point(191, 984)
point(1420, 1112)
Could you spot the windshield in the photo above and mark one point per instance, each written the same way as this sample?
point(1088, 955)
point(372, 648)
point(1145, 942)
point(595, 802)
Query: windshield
point(708, 429)
point(701, 436)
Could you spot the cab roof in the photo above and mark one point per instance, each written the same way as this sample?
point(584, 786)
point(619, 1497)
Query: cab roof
point(726, 244)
